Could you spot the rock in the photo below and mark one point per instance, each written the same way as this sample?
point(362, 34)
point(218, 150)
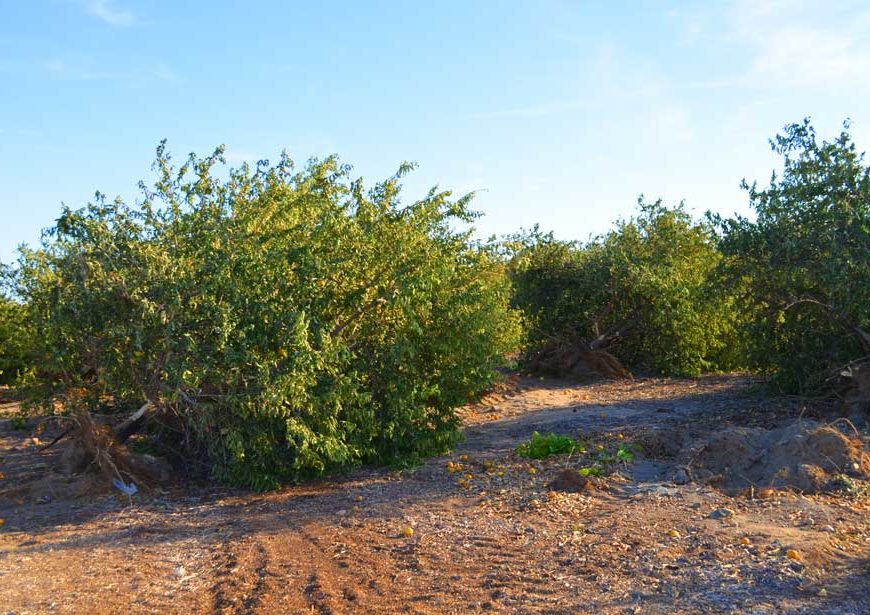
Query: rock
point(662, 491)
point(681, 476)
point(722, 513)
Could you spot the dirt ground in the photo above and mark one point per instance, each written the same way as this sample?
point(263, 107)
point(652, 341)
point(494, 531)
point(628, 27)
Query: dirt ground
point(490, 536)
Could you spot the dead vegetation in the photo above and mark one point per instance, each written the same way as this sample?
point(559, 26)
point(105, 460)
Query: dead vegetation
point(576, 359)
point(95, 448)
point(90, 461)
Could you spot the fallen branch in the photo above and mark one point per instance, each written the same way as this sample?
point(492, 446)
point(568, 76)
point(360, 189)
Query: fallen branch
point(608, 336)
point(63, 434)
point(134, 423)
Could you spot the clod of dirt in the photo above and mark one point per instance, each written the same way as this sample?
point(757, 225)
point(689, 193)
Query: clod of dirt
point(803, 456)
point(571, 481)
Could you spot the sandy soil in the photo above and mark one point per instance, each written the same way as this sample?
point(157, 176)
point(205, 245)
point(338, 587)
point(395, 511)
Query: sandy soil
point(491, 537)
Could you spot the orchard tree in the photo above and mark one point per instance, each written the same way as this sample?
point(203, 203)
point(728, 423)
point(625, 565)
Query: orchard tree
point(271, 326)
point(801, 268)
point(644, 290)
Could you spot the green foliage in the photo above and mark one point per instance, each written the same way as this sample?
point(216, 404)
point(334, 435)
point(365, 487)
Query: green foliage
point(647, 287)
point(541, 447)
point(624, 453)
point(15, 339)
point(801, 269)
point(287, 323)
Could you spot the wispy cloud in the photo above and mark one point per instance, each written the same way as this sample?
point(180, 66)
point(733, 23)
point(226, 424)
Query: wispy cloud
point(109, 13)
point(668, 123)
point(794, 44)
point(620, 89)
point(82, 69)
point(531, 110)
point(606, 77)
point(691, 26)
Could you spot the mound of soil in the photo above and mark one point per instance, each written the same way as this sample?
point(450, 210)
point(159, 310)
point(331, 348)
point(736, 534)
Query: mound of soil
point(804, 456)
point(571, 481)
point(573, 360)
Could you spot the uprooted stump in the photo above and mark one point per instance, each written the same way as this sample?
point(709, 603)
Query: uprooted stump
point(804, 456)
point(564, 359)
point(94, 449)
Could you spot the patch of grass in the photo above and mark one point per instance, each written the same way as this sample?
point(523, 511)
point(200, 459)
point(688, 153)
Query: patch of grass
point(540, 447)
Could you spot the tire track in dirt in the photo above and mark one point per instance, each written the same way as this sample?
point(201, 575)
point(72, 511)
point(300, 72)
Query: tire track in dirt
point(241, 579)
point(312, 570)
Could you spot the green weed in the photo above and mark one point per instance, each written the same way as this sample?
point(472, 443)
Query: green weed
point(540, 447)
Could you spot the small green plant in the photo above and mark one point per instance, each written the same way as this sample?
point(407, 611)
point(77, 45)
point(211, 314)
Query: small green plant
point(591, 471)
point(540, 446)
point(624, 453)
point(18, 422)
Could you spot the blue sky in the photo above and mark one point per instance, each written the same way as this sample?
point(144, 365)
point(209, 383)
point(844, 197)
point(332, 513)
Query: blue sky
point(559, 112)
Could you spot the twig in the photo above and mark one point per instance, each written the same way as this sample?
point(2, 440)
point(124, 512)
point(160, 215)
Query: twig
point(65, 433)
point(847, 422)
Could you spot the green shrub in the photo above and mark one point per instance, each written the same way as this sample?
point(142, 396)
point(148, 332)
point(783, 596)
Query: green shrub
point(285, 323)
point(15, 340)
point(801, 269)
point(646, 290)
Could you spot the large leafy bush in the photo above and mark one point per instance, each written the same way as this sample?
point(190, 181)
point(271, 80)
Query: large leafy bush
point(801, 268)
point(15, 339)
point(282, 323)
point(646, 289)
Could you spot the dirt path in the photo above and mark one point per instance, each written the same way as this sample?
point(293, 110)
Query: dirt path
point(489, 538)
